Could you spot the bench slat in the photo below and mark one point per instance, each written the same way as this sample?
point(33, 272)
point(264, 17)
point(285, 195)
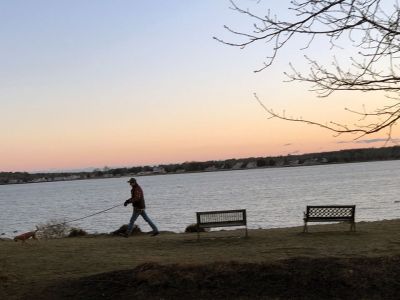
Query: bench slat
point(330, 213)
point(221, 218)
point(221, 224)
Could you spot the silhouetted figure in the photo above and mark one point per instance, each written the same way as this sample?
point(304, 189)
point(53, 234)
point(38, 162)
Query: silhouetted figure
point(137, 200)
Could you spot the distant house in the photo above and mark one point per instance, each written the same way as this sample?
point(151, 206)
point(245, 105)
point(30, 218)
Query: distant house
point(41, 179)
point(238, 165)
point(210, 169)
point(159, 170)
point(310, 162)
point(145, 173)
point(251, 165)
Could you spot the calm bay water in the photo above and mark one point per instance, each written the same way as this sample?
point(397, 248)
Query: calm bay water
point(274, 197)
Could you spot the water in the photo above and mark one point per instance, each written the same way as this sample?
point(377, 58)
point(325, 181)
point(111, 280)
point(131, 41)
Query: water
point(274, 197)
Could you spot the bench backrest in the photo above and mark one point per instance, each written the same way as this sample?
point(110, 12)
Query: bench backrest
point(221, 218)
point(330, 212)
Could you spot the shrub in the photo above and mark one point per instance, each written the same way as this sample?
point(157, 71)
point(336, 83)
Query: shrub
point(74, 232)
point(54, 229)
point(123, 229)
point(193, 228)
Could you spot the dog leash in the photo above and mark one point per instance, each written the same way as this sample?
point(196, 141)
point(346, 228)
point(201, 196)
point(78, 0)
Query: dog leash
point(78, 219)
point(91, 215)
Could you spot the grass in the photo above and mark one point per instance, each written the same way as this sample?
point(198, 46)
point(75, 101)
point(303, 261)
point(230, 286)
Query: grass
point(38, 264)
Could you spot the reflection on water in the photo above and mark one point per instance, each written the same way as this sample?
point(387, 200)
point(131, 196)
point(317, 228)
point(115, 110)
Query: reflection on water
point(273, 197)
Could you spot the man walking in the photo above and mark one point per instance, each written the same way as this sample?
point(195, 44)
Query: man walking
point(137, 200)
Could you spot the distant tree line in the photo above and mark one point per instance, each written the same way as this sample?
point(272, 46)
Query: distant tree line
point(342, 156)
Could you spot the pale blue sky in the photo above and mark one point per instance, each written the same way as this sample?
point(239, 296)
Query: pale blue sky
point(94, 83)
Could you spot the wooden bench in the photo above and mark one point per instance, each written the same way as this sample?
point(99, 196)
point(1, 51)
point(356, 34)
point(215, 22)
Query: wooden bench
point(222, 218)
point(330, 213)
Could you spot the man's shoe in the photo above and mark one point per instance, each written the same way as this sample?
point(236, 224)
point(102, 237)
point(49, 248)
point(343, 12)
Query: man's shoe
point(155, 233)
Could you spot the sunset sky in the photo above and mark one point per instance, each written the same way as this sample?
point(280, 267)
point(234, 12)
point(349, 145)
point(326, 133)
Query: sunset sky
point(126, 83)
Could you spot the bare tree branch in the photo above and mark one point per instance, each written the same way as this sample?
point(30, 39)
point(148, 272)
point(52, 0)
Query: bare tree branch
point(371, 26)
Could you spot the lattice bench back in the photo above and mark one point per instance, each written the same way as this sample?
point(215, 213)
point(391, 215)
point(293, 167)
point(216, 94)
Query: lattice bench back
point(328, 213)
point(222, 218)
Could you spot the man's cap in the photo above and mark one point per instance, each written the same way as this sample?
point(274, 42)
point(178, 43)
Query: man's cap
point(132, 180)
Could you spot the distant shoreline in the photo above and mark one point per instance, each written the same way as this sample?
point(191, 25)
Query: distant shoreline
point(194, 172)
point(310, 159)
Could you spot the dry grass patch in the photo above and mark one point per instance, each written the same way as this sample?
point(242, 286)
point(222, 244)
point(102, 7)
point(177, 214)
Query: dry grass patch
point(37, 264)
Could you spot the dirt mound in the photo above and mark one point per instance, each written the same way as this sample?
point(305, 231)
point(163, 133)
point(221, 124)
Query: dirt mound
point(301, 278)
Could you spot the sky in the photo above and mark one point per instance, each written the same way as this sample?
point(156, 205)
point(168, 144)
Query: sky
point(129, 83)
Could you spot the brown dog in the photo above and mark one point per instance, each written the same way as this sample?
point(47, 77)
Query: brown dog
point(27, 235)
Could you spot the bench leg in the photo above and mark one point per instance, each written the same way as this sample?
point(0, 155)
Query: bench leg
point(198, 232)
point(246, 233)
point(353, 226)
point(305, 229)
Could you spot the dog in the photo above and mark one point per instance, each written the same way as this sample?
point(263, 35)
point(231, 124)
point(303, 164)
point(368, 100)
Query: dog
point(27, 235)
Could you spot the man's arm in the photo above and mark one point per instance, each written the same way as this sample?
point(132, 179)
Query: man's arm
point(137, 195)
point(127, 202)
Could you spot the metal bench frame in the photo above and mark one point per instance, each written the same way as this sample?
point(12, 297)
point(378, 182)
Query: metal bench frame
point(330, 213)
point(221, 218)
